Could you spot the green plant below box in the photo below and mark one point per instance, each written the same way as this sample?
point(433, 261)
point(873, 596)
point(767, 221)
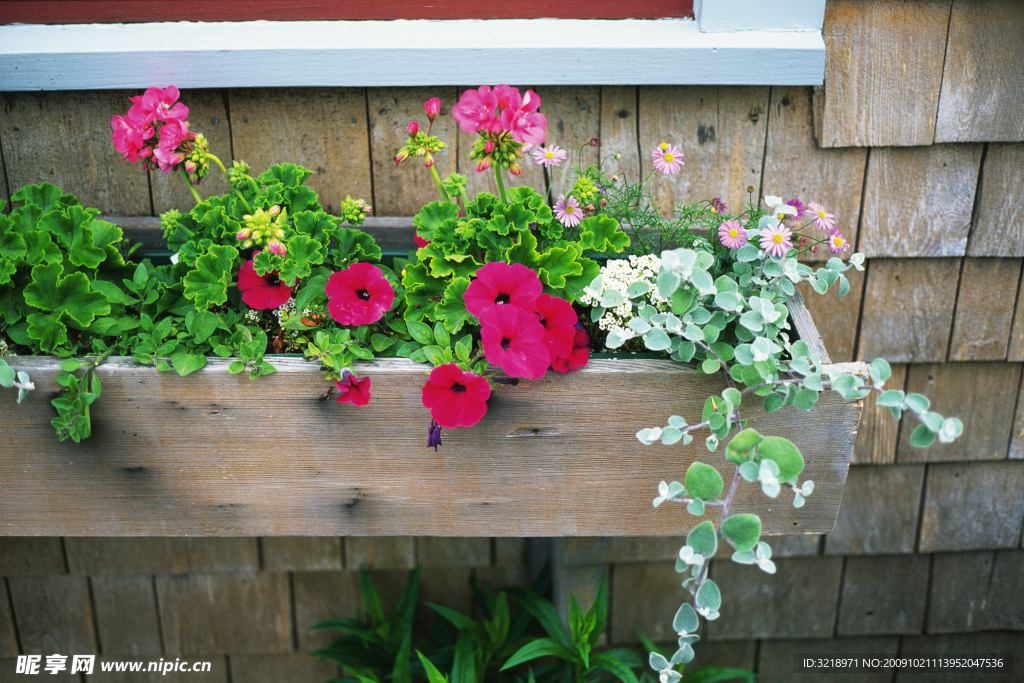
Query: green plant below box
point(497, 647)
point(501, 287)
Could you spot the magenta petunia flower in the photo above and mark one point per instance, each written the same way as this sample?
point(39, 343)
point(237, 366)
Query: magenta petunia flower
point(359, 295)
point(559, 321)
point(549, 156)
point(455, 398)
point(568, 212)
point(262, 292)
point(822, 220)
point(514, 340)
point(498, 283)
point(130, 135)
point(731, 234)
point(420, 242)
point(475, 111)
point(667, 158)
point(837, 244)
point(775, 240)
point(353, 389)
point(579, 356)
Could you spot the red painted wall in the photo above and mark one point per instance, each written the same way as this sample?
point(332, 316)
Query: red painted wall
point(134, 11)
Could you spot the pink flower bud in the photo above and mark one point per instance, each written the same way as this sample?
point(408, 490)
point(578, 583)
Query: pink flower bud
point(276, 247)
point(594, 142)
point(432, 107)
point(414, 127)
point(489, 146)
point(243, 234)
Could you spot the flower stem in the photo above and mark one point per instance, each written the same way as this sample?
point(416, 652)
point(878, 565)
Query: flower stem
point(501, 183)
point(440, 185)
point(191, 187)
point(228, 178)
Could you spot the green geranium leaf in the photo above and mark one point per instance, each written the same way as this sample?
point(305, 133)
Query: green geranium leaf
point(46, 329)
point(703, 481)
point(288, 175)
point(422, 291)
point(353, 245)
point(525, 251)
point(703, 539)
point(70, 227)
point(70, 296)
point(601, 233)
point(12, 247)
point(208, 283)
point(452, 308)
point(433, 215)
point(743, 530)
point(784, 453)
point(44, 197)
point(303, 253)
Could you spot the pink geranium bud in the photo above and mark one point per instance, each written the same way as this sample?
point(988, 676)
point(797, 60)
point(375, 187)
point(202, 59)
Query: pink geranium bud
point(276, 247)
point(489, 146)
point(432, 107)
point(413, 128)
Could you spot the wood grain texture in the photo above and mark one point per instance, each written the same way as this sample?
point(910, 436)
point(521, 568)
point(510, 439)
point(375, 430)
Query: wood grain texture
point(207, 114)
point(880, 510)
point(883, 595)
point(983, 79)
point(801, 319)
point(573, 118)
point(127, 623)
point(323, 595)
point(982, 395)
point(159, 555)
point(322, 129)
point(394, 552)
point(403, 189)
point(292, 553)
point(620, 131)
point(918, 201)
point(545, 460)
point(640, 600)
point(721, 132)
point(972, 506)
point(836, 317)
point(238, 613)
point(999, 227)
point(49, 137)
point(1017, 435)
point(5, 193)
point(435, 551)
point(883, 72)
point(31, 556)
point(577, 568)
point(878, 432)
point(1015, 352)
point(984, 309)
point(908, 309)
point(966, 576)
point(804, 606)
point(794, 166)
point(444, 586)
point(288, 667)
point(52, 614)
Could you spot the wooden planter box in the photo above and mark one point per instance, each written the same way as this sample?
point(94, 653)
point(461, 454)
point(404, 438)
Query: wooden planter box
point(214, 454)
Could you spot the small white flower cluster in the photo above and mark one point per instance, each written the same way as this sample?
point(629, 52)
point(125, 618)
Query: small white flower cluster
point(619, 275)
point(252, 315)
point(4, 349)
point(285, 310)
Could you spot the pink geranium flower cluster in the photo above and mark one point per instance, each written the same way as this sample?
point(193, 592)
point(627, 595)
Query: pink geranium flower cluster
point(523, 331)
point(154, 130)
point(507, 122)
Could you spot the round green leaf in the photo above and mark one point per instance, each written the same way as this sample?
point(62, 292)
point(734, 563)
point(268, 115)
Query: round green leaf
point(703, 481)
point(922, 437)
point(685, 619)
point(703, 539)
point(742, 445)
point(784, 453)
point(743, 530)
point(708, 596)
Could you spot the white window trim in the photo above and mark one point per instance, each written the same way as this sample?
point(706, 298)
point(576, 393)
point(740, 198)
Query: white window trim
point(780, 47)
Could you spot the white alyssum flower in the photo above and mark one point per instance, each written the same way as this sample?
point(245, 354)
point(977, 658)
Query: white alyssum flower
point(619, 274)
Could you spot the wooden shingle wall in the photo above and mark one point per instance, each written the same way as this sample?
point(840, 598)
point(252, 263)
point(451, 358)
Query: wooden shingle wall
point(915, 142)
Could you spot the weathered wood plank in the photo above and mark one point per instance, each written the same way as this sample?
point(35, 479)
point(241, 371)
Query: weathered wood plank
point(577, 567)
point(5, 193)
point(803, 606)
point(883, 72)
point(880, 510)
point(439, 551)
point(721, 132)
point(983, 79)
point(446, 586)
point(574, 118)
point(619, 131)
point(972, 506)
point(403, 189)
point(900, 219)
point(638, 601)
point(1015, 352)
point(1017, 435)
point(52, 614)
point(238, 613)
point(546, 460)
point(126, 615)
point(999, 228)
point(982, 395)
point(207, 114)
point(46, 138)
point(290, 667)
point(984, 310)
point(320, 596)
point(322, 129)
point(394, 552)
point(878, 431)
point(908, 309)
point(883, 595)
point(95, 556)
point(794, 165)
point(295, 553)
point(965, 576)
point(836, 317)
point(31, 556)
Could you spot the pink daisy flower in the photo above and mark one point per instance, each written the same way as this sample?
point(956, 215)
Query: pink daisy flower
point(719, 206)
point(775, 240)
point(667, 158)
point(568, 212)
point(837, 244)
point(549, 156)
point(731, 234)
point(798, 205)
point(822, 220)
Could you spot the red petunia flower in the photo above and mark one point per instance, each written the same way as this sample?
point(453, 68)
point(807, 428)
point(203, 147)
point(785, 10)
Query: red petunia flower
point(559, 321)
point(262, 292)
point(420, 242)
point(353, 389)
point(500, 283)
point(579, 356)
point(514, 339)
point(455, 398)
point(359, 295)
